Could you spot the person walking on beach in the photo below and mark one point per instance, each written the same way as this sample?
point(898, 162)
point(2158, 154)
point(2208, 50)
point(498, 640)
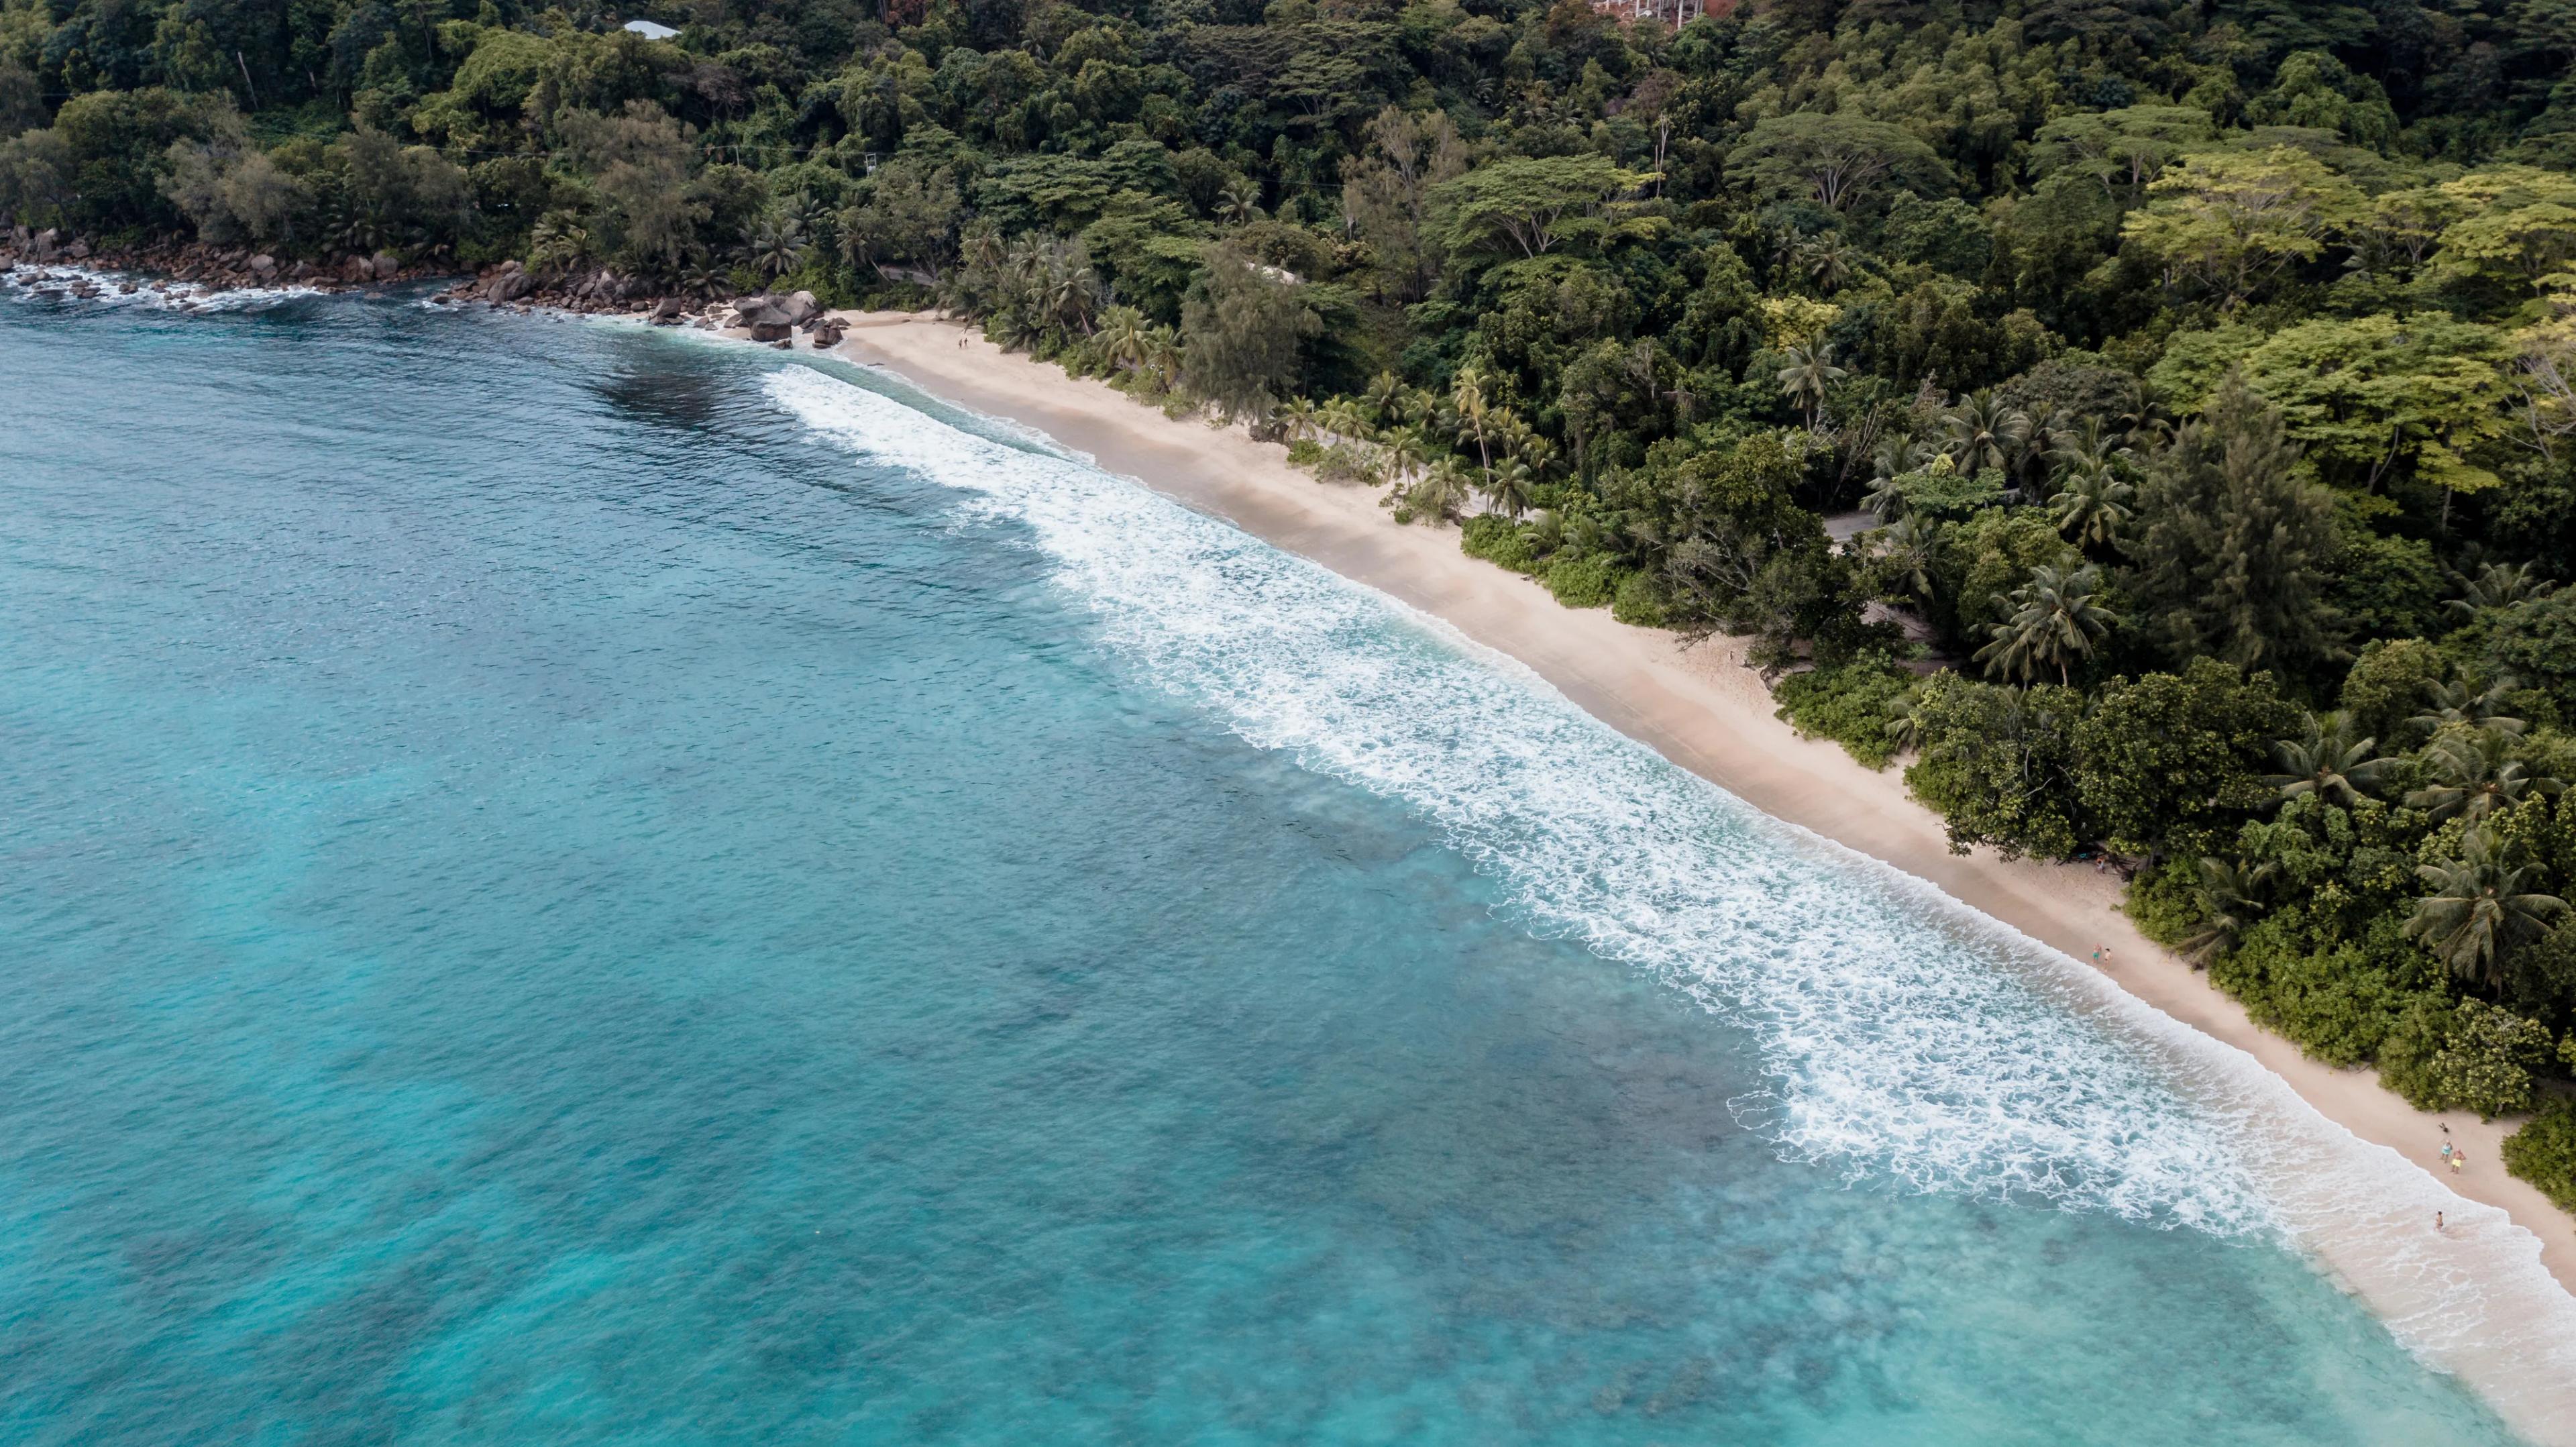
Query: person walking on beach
point(2437, 1223)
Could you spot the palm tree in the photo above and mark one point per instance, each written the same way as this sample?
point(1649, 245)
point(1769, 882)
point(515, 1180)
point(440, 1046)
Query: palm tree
point(2229, 898)
point(1913, 554)
point(1343, 419)
point(1407, 450)
point(2329, 763)
point(2054, 621)
point(2093, 506)
point(707, 283)
point(778, 247)
point(2148, 426)
point(2478, 910)
point(1984, 432)
point(2497, 586)
point(1904, 726)
point(1164, 354)
point(2472, 778)
point(2454, 703)
point(1825, 259)
point(2087, 446)
point(2032, 458)
point(1239, 204)
point(1385, 396)
point(1811, 373)
point(1442, 492)
point(1885, 500)
point(1467, 396)
point(1899, 455)
point(1507, 488)
point(558, 243)
point(1125, 338)
point(1538, 452)
point(1297, 417)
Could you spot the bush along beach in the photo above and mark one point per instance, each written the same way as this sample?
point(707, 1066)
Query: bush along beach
point(2152, 426)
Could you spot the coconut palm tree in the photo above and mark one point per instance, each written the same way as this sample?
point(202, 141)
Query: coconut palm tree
point(1474, 413)
point(1443, 491)
point(2478, 910)
point(1407, 450)
point(2031, 466)
point(705, 282)
point(1385, 396)
point(1164, 355)
point(1240, 203)
point(2329, 763)
point(1507, 488)
point(2087, 446)
point(2497, 586)
point(2054, 622)
point(1297, 417)
point(1538, 452)
point(778, 247)
point(1810, 374)
point(1912, 550)
point(2454, 702)
point(1904, 726)
point(1984, 431)
point(2229, 898)
point(2473, 778)
point(1126, 338)
point(1343, 420)
point(2092, 506)
point(2147, 426)
point(1885, 500)
point(1897, 456)
point(1825, 260)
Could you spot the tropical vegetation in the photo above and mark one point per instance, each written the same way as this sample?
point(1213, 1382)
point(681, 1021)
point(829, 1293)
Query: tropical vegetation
point(2192, 388)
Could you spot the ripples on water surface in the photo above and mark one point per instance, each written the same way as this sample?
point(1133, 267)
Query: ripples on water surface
point(567, 885)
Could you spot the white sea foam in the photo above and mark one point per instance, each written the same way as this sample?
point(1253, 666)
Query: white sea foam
point(53, 282)
point(1907, 1038)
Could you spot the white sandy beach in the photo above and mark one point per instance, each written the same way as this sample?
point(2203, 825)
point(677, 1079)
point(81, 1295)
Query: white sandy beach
point(1703, 710)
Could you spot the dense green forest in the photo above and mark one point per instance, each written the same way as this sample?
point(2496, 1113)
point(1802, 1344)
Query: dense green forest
point(2188, 382)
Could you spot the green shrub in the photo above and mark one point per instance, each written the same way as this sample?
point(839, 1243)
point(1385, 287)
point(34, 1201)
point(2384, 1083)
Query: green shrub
point(1849, 705)
point(2543, 1152)
point(2339, 1004)
point(2474, 1056)
point(1305, 452)
point(1639, 600)
point(2160, 902)
point(1583, 582)
point(1497, 540)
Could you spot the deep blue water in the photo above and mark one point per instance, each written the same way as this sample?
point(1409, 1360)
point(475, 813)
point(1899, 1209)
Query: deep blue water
point(562, 884)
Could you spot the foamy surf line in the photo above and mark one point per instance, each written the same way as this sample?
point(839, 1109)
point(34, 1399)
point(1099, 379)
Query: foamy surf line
point(52, 281)
point(1907, 1038)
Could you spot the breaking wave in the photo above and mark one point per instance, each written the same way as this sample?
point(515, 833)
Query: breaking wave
point(1906, 1039)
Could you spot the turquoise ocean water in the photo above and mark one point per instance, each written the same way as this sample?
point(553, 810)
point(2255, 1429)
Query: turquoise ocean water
point(563, 884)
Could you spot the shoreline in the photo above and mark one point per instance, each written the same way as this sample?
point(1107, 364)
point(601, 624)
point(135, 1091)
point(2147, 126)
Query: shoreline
point(1700, 708)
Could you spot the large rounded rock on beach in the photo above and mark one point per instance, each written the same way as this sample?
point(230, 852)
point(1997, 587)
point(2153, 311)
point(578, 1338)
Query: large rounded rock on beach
point(385, 265)
point(799, 308)
point(509, 286)
point(264, 266)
